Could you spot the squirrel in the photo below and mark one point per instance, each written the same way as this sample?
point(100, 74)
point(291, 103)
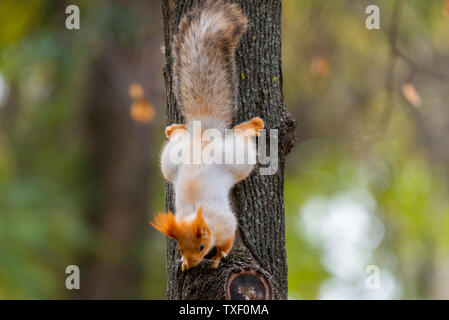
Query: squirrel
point(205, 88)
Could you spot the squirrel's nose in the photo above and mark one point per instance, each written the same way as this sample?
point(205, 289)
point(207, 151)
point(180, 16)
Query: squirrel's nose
point(193, 262)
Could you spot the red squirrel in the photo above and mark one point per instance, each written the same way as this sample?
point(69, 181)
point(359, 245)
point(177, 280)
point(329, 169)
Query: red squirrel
point(205, 87)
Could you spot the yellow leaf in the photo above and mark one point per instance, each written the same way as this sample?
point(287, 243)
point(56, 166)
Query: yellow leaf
point(411, 95)
point(319, 66)
point(135, 91)
point(142, 111)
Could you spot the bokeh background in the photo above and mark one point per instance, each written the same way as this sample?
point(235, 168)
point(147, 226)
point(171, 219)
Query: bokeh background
point(81, 126)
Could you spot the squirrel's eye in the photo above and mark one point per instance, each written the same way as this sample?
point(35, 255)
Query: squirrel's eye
point(202, 247)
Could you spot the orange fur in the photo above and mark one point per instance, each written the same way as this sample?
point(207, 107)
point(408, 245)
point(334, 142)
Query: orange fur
point(166, 223)
point(190, 235)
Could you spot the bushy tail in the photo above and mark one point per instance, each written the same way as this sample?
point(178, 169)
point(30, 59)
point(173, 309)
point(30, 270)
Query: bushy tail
point(205, 83)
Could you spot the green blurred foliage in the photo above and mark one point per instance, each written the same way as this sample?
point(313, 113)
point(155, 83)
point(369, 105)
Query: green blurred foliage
point(43, 170)
point(335, 75)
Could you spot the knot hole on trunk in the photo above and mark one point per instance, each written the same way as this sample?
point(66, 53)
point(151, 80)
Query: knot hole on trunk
point(247, 285)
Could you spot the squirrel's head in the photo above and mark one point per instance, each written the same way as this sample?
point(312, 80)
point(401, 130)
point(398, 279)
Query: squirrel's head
point(193, 236)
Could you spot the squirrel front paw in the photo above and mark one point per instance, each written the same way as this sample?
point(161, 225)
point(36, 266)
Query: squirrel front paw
point(215, 264)
point(222, 251)
point(250, 128)
point(217, 258)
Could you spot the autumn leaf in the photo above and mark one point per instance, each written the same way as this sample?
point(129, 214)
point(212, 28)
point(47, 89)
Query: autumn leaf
point(142, 111)
point(319, 66)
point(135, 91)
point(411, 95)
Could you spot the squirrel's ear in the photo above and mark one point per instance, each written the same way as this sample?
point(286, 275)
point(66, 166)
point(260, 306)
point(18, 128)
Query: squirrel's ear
point(166, 223)
point(199, 213)
point(199, 224)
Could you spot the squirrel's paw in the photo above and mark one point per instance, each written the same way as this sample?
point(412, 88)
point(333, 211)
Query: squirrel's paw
point(215, 264)
point(250, 128)
point(170, 129)
point(218, 258)
point(184, 266)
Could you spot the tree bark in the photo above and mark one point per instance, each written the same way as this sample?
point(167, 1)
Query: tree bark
point(256, 268)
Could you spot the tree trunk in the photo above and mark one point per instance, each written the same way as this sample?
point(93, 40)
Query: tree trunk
point(119, 155)
point(256, 268)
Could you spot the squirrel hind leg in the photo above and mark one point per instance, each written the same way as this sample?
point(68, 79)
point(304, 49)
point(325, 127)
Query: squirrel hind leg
point(169, 166)
point(250, 128)
point(170, 129)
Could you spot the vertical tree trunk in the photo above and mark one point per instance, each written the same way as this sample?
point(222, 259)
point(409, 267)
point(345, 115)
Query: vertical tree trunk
point(256, 268)
point(120, 172)
point(119, 155)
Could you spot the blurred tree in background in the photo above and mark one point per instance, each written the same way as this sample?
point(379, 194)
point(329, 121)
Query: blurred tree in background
point(75, 179)
point(367, 183)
